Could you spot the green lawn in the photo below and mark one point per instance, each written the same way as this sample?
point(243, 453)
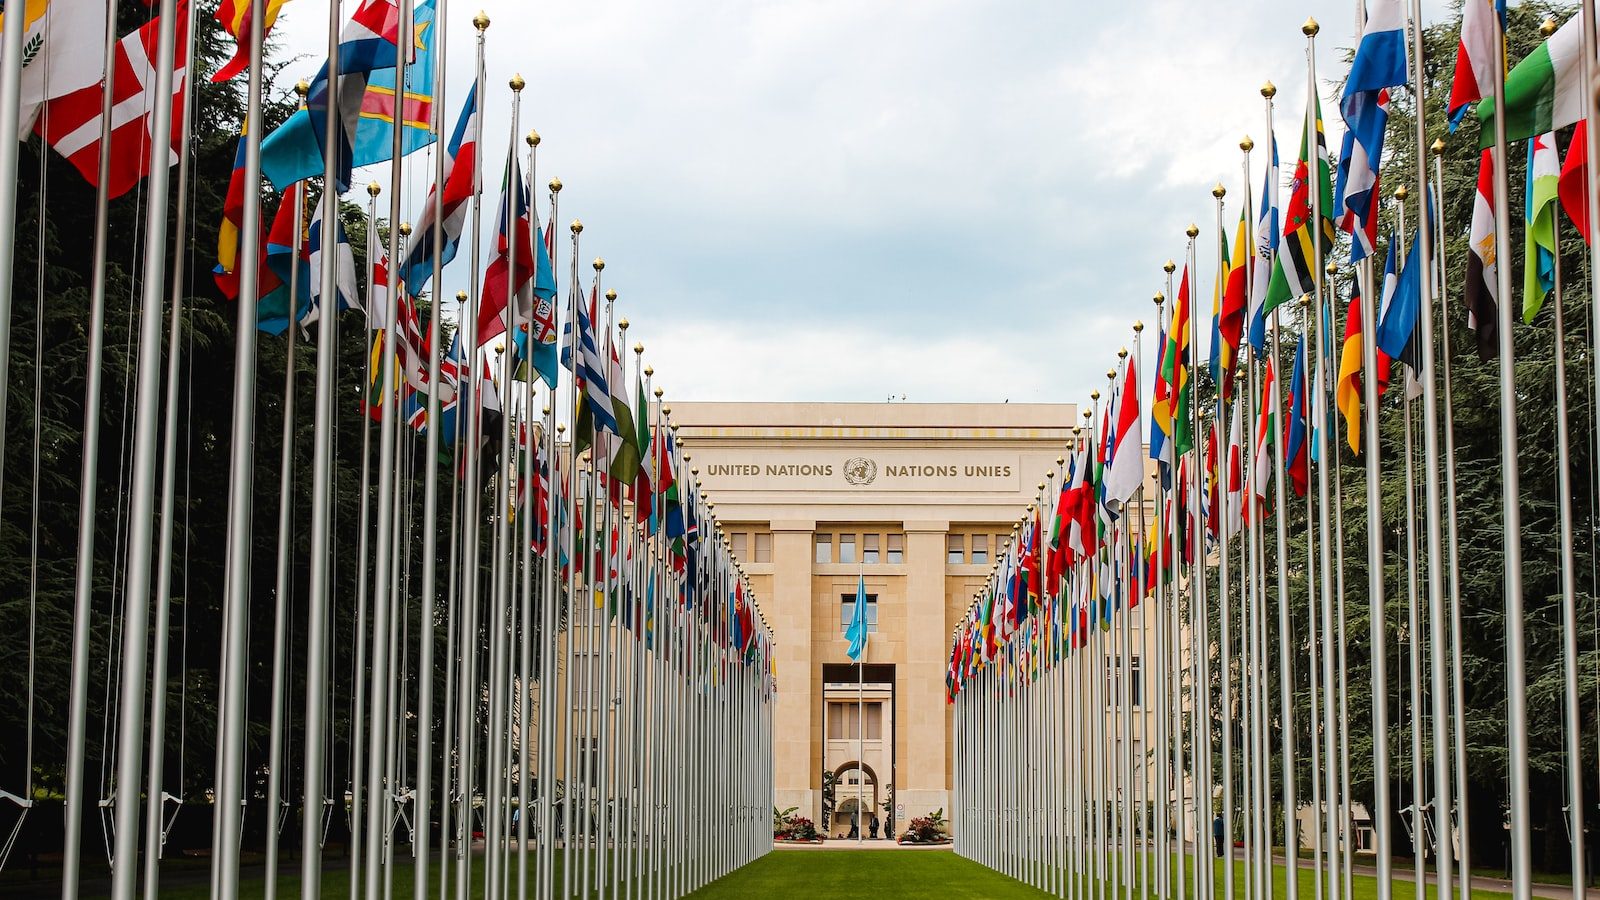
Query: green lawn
point(834, 874)
point(874, 874)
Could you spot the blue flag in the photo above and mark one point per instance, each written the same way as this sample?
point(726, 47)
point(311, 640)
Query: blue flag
point(857, 632)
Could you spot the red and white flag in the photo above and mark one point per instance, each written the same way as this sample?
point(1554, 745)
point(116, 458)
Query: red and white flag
point(1574, 185)
point(1474, 77)
point(71, 122)
point(1481, 294)
point(1125, 470)
point(1262, 476)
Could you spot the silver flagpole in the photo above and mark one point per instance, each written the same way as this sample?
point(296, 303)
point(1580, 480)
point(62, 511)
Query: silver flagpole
point(1382, 813)
point(1199, 640)
point(1569, 605)
point(1286, 710)
point(1224, 470)
point(155, 792)
point(89, 477)
point(320, 592)
point(232, 689)
point(1430, 473)
point(1162, 695)
point(527, 479)
point(569, 762)
point(383, 587)
point(1511, 499)
point(422, 808)
point(277, 804)
point(1413, 624)
point(1457, 686)
point(11, 65)
point(551, 724)
point(1326, 458)
point(358, 686)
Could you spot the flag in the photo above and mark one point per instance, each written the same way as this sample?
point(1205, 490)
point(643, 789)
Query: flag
point(1235, 469)
point(1161, 413)
point(857, 632)
point(1539, 261)
point(1380, 63)
point(1125, 470)
point(1544, 92)
point(1295, 451)
point(374, 138)
point(1356, 196)
point(643, 495)
point(622, 448)
point(1474, 75)
point(1482, 290)
point(1348, 396)
point(518, 228)
point(580, 355)
point(1574, 183)
point(1266, 251)
point(460, 171)
point(1230, 319)
point(63, 51)
point(234, 17)
point(284, 252)
point(1265, 432)
point(1175, 368)
point(1402, 304)
point(226, 272)
point(344, 261)
point(71, 124)
point(1293, 272)
point(294, 150)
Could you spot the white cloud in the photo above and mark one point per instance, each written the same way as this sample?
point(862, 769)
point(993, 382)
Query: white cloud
point(844, 199)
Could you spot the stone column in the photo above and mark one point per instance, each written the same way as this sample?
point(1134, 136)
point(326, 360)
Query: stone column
point(921, 708)
point(795, 759)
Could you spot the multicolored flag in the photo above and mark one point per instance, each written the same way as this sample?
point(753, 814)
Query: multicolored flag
point(1266, 432)
point(1175, 368)
point(1347, 392)
point(63, 51)
point(294, 150)
point(1544, 92)
point(71, 125)
point(1379, 64)
point(1230, 318)
point(1295, 454)
point(1474, 75)
point(1574, 184)
point(1294, 269)
point(1482, 291)
point(1125, 469)
point(460, 173)
point(234, 18)
point(374, 138)
point(1266, 252)
point(1539, 261)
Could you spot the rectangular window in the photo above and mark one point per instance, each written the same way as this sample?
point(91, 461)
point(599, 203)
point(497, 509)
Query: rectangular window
point(847, 548)
point(874, 725)
point(956, 545)
point(740, 541)
point(763, 548)
point(869, 549)
point(980, 549)
point(824, 548)
point(845, 720)
point(1136, 681)
point(897, 549)
point(847, 611)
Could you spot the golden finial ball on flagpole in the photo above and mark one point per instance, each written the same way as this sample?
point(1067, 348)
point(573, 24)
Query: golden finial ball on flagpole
point(1121, 354)
point(1547, 27)
point(1400, 193)
point(624, 322)
point(1332, 267)
point(638, 350)
point(1138, 326)
point(555, 185)
point(517, 84)
point(1269, 90)
point(302, 87)
point(1247, 144)
point(1438, 146)
point(1168, 266)
point(481, 21)
point(1159, 299)
point(577, 226)
point(611, 295)
point(405, 229)
point(599, 263)
point(658, 393)
point(1095, 396)
point(1192, 231)
point(374, 189)
point(461, 296)
point(1310, 28)
point(1219, 191)
point(533, 138)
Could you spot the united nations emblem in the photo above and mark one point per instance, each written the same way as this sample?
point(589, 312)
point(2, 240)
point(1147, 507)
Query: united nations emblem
point(860, 470)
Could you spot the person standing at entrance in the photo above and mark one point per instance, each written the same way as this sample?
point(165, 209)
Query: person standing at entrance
point(1218, 837)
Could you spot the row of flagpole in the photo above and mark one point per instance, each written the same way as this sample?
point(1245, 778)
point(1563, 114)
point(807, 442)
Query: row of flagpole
point(575, 697)
point(1038, 689)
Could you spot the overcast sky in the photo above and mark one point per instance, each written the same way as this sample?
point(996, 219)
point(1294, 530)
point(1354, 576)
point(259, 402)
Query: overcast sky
point(946, 200)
